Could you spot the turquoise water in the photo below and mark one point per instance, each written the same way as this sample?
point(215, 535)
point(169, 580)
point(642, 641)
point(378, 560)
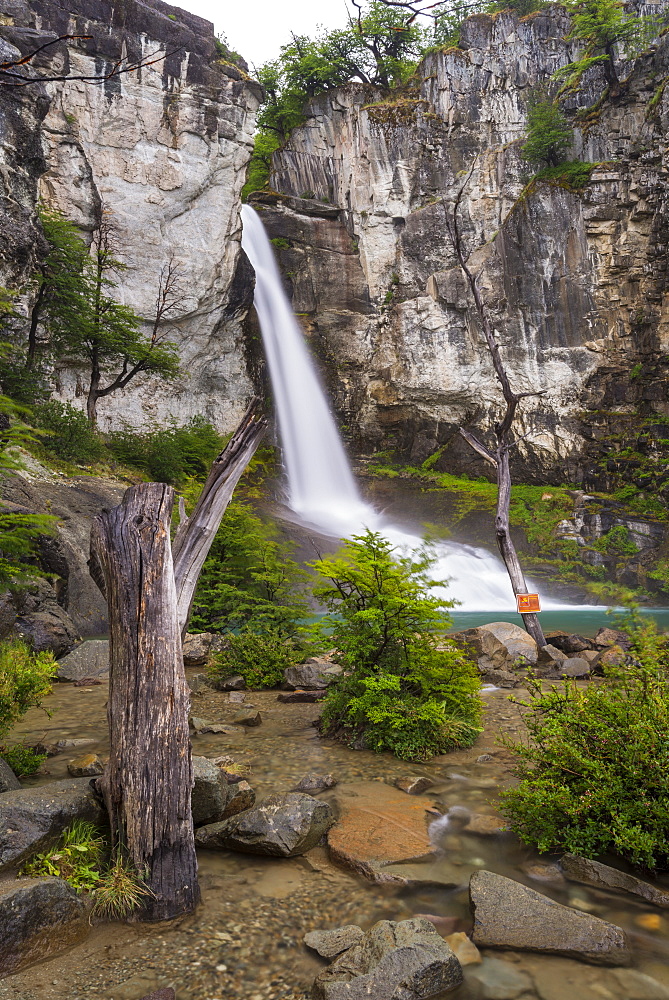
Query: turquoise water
point(584, 620)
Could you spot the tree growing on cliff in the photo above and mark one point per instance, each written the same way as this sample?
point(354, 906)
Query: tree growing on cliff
point(604, 26)
point(549, 134)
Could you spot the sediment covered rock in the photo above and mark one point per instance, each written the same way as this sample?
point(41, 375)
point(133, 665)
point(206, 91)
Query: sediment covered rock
point(38, 919)
point(281, 825)
point(594, 873)
point(331, 943)
point(210, 792)
point(312, 675)
point(89, 659)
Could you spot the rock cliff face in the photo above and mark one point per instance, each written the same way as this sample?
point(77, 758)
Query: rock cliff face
point(576, 280)
point(164, 150)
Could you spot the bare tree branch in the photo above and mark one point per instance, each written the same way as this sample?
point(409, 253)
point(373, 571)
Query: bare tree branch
point(477, 446)
point(9, 77)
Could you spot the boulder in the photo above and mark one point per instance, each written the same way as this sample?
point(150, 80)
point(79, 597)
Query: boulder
point(493, 675)
point(594, 873)
point(503, 643)
point(312, 675)
point(197, 649)
point(612, 637)
point(414, 785)
point(280, 826)
point(31, 817)
point(210, 792)
point(550, 654)
point(32, 613)
point(405, 960)
point(612, 656)
point(378, 826)
point(38, 919)
point(291, 697)
point(233, 683)
point(569, 644)
point(311, 784)
point(240, 797)
point(329, 944)
point(510, 915)
point(8, 780)
point(89, 659)
point(199, 683)
point(574, 666)
point(86, 766)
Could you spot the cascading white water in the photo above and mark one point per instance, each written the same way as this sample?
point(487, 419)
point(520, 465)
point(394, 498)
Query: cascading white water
point(322, 490)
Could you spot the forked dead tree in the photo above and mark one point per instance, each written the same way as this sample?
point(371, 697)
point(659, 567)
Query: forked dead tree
point(149, 585)
point(500, 457)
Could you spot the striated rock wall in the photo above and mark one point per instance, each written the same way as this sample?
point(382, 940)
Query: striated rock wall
point(576, 280)
point(164, 151)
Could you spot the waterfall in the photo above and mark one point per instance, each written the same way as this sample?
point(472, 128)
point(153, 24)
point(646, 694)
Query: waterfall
point(321, 488)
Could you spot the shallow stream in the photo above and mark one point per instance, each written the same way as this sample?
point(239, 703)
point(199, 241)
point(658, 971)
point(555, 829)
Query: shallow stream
point(245, 941)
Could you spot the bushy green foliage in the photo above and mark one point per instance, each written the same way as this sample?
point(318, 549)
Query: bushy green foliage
point(70, 435)
point(594, 775)
point(573, 175)
point(408, 690)
point(169, 454)
point(249, 579)
point(259, 656)
point(25, 679)
point(549, 134)
point(22, 759)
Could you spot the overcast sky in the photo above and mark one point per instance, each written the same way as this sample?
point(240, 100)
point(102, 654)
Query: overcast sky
point(258, 28)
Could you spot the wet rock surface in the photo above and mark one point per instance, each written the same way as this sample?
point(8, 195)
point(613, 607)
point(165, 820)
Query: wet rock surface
point(329, 944)
point(86, 766)
point(311, 784)
point(507, 914)
point(29, 818)
point(604, 877)
point(89, 659)
point(38, 918)
point(210, 792)
point(393, 961)
point(312, 675)
point(8, 780)
point(281, 825)
point(377, 826)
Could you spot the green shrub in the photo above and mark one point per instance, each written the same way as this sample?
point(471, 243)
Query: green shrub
point(169, 455)
point(549, 134)
point(70, 434)
point(594, 775)
point(25, 678)
point(22, 759)
point(260, 657)
point(407, 690)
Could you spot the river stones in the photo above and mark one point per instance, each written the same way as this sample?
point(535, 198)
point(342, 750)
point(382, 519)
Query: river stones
point(510, 915)
point(329, 944)
point(38, 918)
point(502, 643)
point(197, 649)
point(594, 873)
point(280, 826)
point(499, 980)
point(414, 785)
point(405, 960)
point(31, 817)
point(311, 784)
point(247, 717)
point(8, 780)
point(86, 766)
point(574, 666)
point(312, 675)
point(210, 792)
point(89, 659)
point(378, 826)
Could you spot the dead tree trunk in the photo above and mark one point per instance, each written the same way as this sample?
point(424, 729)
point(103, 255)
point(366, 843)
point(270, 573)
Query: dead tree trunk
point(148, 781)
point(503, 431)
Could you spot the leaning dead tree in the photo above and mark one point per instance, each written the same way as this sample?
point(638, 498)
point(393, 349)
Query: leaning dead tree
point(503, 428)
point(149, 584)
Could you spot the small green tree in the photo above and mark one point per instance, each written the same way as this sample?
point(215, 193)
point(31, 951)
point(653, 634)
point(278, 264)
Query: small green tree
point(407, 689)
point(25, 678)
point(602, 25)
point(549, 134)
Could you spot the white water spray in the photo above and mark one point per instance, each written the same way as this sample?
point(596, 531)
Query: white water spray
point(322, 490)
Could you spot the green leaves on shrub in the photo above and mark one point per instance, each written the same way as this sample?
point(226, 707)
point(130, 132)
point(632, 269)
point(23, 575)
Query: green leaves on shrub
point(70, 435)
point(407, 689)
point(22, 759)
point(260, 657)
point(169, 454)
point(594, 776)
point(25, 678)
point(549, 134)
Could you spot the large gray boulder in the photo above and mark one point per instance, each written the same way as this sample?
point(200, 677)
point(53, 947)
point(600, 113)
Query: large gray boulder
point(405, 960)
point(281, 826)
point(510, 915)
point(502, 644)
point(330, 943)
point(199, 647)
point(594, 873)
point(8, 780)
point(31, 817)
point(210, 792)
point(312, 675)
point(38, 919)
point(89, 659)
